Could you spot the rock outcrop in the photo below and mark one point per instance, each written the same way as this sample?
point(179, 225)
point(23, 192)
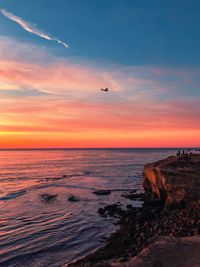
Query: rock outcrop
point(73, 198)
point(175, 180)
point(150, 236)
point(48, 198)
point(102, 192)
point(168, 252)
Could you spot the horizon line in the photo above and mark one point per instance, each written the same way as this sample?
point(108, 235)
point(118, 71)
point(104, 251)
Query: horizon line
point(93, 148)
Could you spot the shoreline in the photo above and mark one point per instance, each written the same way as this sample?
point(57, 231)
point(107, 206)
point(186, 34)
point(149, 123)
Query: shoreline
point(139, 228)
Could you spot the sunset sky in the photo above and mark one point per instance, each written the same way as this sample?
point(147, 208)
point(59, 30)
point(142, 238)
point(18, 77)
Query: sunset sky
point(55, 55)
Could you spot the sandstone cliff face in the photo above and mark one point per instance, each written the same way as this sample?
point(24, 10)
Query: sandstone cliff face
point(174, 180)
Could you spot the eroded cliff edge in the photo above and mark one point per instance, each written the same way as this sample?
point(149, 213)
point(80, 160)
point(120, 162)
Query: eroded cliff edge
point(175, 180)
point(150, 235)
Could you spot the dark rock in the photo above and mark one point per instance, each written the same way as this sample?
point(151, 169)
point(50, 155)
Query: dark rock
point(73, 198)
point(140, 227)
point(112, 211)
point(48, 197)
point(135, 196)
point(102, 192)
point(101, 211)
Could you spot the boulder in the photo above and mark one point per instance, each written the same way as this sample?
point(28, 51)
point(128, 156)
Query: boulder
point(174, 180)
point(102, 192)
point(168, 252)
point(73, 198)
point(48, 197)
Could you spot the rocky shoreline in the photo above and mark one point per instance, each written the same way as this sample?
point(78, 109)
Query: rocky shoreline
point(141, 227)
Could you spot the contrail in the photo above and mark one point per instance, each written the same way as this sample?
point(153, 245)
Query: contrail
point(31, 27)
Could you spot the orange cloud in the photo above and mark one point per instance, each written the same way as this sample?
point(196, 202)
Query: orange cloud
point(56, 79)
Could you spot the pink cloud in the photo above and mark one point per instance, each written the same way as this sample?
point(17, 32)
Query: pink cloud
point(58, 78)
point(138, 104)
point(27, 66)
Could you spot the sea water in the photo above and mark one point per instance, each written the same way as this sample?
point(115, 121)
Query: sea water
point(38, 233)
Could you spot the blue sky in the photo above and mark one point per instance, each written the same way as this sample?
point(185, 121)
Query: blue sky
point(134, 32)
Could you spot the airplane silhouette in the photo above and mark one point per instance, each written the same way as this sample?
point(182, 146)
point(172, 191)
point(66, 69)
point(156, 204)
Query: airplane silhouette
point(105, 90)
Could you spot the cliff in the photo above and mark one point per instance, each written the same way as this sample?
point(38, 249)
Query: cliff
point(151, 236)
point(175, 180)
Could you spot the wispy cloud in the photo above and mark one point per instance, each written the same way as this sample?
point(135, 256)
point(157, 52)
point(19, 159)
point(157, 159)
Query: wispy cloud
point(31, 27)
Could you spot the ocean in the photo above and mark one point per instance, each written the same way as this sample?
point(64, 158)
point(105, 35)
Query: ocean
point(40, 234)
